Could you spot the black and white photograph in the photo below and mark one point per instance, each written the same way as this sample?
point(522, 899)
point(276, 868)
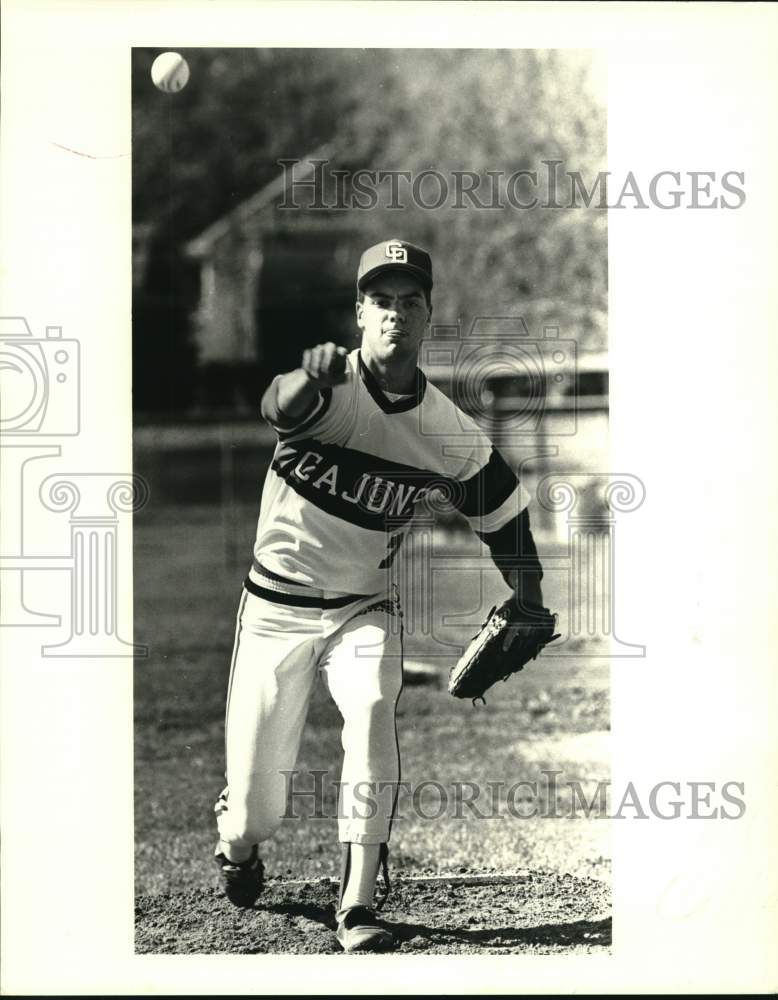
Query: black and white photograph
point(386, 432)
point(370, 400)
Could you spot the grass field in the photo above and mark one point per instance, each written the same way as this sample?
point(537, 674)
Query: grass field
point(189, 563)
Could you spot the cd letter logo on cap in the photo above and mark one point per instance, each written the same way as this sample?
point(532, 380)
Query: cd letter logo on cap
point(397, 253)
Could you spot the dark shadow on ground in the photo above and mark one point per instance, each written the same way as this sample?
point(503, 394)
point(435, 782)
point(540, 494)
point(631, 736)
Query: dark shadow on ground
point(579, 932)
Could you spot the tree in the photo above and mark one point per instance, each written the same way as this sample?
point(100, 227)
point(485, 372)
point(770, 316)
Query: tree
point(199, 153)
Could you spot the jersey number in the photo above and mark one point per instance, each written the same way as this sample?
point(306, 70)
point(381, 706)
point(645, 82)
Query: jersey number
point(391, 550)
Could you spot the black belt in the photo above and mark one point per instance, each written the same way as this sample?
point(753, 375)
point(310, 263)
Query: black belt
point(300, 600)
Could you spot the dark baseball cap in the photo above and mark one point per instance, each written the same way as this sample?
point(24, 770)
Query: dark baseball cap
point(395, 255)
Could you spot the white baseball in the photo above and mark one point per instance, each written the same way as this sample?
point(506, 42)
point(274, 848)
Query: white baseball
point(170, 72)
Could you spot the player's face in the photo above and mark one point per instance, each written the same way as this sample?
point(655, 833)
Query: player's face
point(393, 317)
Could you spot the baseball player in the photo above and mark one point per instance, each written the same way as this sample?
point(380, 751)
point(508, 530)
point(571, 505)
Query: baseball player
point(361, 443)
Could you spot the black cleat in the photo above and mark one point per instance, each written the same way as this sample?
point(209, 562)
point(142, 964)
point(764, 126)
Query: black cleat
point(242, 881)
point(359, 930)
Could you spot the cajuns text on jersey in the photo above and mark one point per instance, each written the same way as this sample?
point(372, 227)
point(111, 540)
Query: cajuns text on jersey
point(347, 478)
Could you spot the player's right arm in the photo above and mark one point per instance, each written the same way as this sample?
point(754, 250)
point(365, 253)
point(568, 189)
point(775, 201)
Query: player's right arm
point(290, 398)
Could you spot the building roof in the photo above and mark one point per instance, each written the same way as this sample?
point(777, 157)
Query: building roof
point(265, 198)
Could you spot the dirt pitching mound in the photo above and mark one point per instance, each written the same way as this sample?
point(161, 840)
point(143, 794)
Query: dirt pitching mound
point(464, 914)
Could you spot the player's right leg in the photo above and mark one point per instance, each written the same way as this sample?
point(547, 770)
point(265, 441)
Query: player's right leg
point(271, 678)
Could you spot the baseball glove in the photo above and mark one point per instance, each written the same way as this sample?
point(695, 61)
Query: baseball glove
point(510, 637)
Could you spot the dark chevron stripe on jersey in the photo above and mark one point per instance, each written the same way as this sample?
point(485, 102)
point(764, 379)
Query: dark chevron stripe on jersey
point(489, 488)
point(354, 486)
point(373, 492)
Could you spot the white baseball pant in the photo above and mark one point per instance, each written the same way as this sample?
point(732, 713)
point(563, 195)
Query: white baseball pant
point(279, 651)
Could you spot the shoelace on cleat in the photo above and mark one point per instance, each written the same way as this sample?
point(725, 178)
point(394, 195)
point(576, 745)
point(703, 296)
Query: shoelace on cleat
point(384, 862)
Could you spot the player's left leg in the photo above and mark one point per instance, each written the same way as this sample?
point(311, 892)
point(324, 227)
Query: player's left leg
point(362, 666)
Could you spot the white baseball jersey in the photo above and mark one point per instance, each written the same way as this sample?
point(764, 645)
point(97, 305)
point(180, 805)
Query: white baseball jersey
point(348, 476)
